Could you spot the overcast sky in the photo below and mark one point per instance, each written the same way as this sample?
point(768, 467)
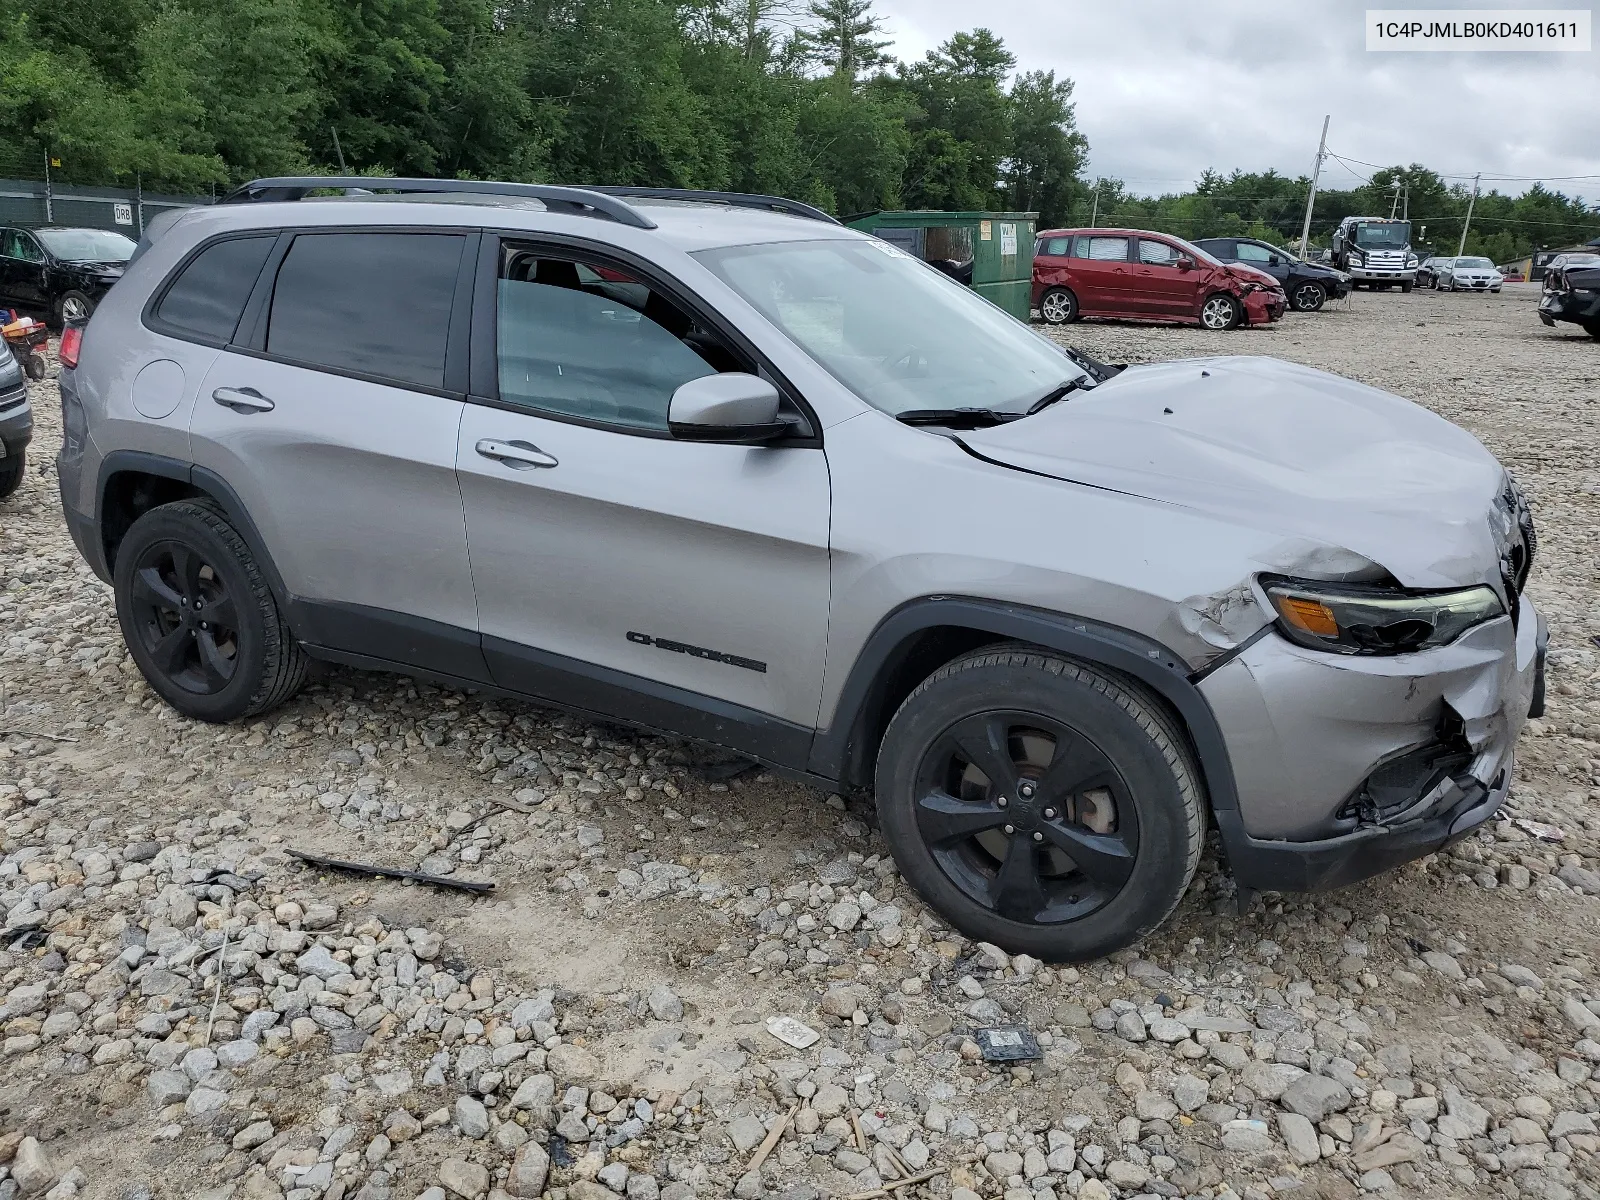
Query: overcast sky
point(1166, 88)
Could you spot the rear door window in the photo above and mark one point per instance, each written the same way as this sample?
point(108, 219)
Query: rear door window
point(370, 304)
point(1105, 249)
point(205, 301)
point(1249, 252)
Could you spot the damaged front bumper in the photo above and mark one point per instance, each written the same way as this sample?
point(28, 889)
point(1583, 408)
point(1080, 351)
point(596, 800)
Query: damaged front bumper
point(1349, 766)
point(1579, 305)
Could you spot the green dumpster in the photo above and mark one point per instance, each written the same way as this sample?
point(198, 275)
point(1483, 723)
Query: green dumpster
point(991, 252)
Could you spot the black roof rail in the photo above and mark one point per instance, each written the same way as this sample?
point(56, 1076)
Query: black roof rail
point(793, 208)
point(578, 201)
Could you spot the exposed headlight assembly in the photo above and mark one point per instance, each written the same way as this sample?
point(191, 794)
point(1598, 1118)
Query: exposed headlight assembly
point(1366, 619)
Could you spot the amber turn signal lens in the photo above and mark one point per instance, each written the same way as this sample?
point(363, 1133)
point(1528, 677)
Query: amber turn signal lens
point(1309, 615)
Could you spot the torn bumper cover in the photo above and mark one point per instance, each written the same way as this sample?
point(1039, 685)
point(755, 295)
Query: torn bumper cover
point(1347, 767)
point(1579, 302)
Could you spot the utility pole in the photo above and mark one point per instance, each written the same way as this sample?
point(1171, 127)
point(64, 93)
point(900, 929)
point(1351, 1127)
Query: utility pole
point(1311, 196)
point(1462, 247)
point(1405, 204)
point(337, 149)
point(49, 200)
point(1394, 204)
point(1094, 213)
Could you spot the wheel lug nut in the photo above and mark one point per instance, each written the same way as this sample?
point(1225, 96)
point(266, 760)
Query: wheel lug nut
point(1011, 828)
point(1049, 814)
point(1001, 802)
point(1038, 837)
point(1027, 789)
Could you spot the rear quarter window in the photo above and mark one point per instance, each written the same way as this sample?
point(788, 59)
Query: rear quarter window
point(206, 299)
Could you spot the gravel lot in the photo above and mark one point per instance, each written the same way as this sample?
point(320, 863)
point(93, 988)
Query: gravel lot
point(187, 1011)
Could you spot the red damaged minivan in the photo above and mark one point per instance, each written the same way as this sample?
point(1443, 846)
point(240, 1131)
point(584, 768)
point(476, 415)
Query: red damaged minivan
point(1142, 276)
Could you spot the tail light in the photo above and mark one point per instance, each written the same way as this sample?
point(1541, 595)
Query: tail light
point(71, 346)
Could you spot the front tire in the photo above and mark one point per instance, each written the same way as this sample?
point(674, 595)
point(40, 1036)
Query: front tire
point(1221, 311)
point(73, 306)
point(1058, 306)
point(1308, 297)
point(198, 617)
point(1406, 286)
point(12, 468)
point(1040, 804)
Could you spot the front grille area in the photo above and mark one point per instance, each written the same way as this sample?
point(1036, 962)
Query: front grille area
point(13, 398)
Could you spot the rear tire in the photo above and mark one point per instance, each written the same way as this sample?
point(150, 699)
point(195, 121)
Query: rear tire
point(1124, 799)
point(1058, 306)
point(1592, 328)
point(12, 468)
point(198, 617)
point(1221, 311)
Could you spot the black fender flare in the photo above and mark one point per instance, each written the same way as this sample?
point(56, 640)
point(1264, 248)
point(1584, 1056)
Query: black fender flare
point(202, 479)
point(1094, 642)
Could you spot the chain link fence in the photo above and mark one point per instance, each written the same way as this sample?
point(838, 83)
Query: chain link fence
point(35, 202)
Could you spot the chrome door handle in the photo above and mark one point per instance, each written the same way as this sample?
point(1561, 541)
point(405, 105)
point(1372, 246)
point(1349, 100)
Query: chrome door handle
point(521, 455)
point(242, 400)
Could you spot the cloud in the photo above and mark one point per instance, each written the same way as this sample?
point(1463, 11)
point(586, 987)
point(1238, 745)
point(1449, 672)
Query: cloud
point(1167, 88)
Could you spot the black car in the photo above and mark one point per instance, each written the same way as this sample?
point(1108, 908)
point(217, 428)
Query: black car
point(1308, 284)
point(1572, 292)
point(58, 271)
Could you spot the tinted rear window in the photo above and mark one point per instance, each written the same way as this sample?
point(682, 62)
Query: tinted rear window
point(206, 299)
point(368, 303)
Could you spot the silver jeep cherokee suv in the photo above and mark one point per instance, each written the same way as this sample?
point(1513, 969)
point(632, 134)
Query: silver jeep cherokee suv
point(716, 466)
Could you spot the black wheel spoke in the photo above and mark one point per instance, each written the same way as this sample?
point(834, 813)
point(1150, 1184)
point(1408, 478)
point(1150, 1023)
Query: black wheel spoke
point(984, 741)
point(186, 565)
point(217, 668)
point(169, 652)
point(1018, 891)
point(221, 614)
point(1105, 858)
point(149, 588)
point(1076, 767)
point(944, 819)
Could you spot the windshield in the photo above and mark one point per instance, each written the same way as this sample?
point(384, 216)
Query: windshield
point(1480, 263)
point(898, 333)
point(1384, 235)
point(86, 245)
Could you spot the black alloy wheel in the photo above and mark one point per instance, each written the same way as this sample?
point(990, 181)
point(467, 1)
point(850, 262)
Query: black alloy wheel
point(199, 617)
point(186, 621)
point(1040, 803)
point(1027, 816)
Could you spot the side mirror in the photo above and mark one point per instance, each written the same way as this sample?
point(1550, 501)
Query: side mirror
point(1274, 261)
point(732, 408)
point(1186, 264)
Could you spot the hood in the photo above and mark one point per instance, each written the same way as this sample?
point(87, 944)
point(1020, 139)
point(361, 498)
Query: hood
point(1251, 275)
point(109, 267)
point(1326, 462)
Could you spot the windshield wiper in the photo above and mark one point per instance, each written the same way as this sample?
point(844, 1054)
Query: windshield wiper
point(1056, 393)
point(957, 418)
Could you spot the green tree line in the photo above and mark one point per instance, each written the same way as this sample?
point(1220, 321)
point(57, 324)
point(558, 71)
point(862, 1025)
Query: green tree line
point(1271, 206)
point(771, 96)
point(796, 97)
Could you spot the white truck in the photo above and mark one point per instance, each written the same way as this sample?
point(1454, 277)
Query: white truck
point(1376, 251)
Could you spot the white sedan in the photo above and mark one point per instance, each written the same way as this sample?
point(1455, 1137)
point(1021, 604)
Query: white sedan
point(1468, 275)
